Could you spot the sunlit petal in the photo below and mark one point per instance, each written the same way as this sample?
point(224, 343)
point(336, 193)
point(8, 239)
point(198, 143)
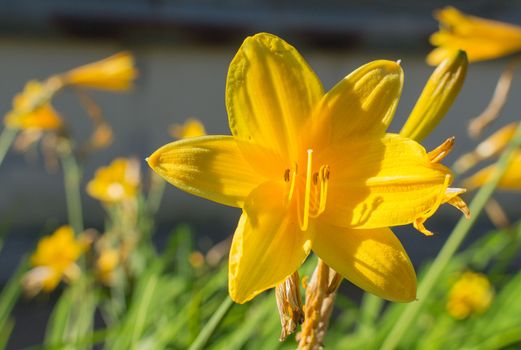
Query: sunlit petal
point(383, 183)
point(270, 93)
point(267, 245)
point(372, 259)
point(364, 102)
point(220, 168)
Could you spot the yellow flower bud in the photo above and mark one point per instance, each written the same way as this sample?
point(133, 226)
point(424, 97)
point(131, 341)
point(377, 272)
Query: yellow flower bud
point(116, 72)
point(437, 96)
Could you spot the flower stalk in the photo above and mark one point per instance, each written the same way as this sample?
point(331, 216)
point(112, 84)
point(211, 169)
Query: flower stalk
point(320, 297)
point(6, 140)
point(72, 179)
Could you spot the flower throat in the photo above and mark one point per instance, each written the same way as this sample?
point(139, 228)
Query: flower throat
point(315, 191)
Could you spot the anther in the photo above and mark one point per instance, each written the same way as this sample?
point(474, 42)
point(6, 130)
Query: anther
point(442, 150)
point(286, 175)
point(315, 178)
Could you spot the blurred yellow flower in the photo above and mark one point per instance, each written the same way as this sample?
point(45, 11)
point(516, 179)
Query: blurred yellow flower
point(191, 128)
point(54, 259)
point(511, 179)
point(117, 182)
point(437, 96)
point(116, 73)
point(31, 109)
point(481, 38)
point(472, 293)
point(488, 148)
point(106, 264)
point(312, 171)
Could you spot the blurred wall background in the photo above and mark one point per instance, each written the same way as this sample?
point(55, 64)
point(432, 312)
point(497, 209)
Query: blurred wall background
point(183, 49)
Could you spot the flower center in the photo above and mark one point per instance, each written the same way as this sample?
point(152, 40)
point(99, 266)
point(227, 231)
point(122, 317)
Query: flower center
point(315, 191)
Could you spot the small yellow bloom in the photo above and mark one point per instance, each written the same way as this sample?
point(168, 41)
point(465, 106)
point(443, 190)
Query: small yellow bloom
point(511, 179)
point(117, 182)
point(191, 128)
point(32, 109)
point(54, 259)
point(472, 293)
point(106, 264)
point(312, 171)
point(437, 96)
point(481, 38)
point(116, 72)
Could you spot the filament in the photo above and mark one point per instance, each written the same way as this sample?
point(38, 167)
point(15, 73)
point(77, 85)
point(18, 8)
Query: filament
point(307, 193)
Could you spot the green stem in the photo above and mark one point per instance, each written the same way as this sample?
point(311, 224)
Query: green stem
point(454, 241)
point(6, 140)
point(155, 195)
point(72, 178)
point(205, 334)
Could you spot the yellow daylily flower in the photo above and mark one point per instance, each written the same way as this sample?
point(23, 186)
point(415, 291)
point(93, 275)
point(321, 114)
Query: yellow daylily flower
point(192, 127)
point(31, 110)
point(54, 259)
point(116, 182)
point(116, 72)
point(481, 38)
point(437, 96)
point(511, 179)
point(312, 171)
point(472, 293)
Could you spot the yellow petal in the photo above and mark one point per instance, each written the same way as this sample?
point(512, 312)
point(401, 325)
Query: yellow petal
point(270, 93)
point(362, 103)
point(383, 182)
point(437, 96)
point(220, 168)
point(374, 260)
point(267, 246)
point(511, 179)
point(482, 39)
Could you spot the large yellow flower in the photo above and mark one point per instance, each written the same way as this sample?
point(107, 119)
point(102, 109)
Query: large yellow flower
point(481, 38)
point(312, 171)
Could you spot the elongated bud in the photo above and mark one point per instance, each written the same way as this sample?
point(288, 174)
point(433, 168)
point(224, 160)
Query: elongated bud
point(437, 96)
point(289, 304)
point(116, 73)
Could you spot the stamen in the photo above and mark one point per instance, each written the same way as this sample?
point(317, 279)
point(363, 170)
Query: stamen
point(321, 197)
point(442, 150)
point(418, 223)
point(307, 193)
point(324, 177)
